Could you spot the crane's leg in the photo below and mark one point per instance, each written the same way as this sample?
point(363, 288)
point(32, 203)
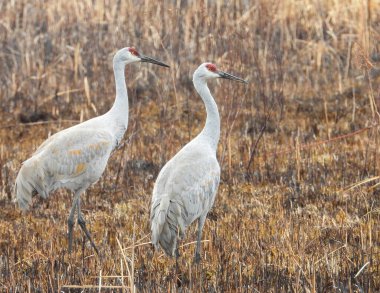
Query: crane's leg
point(70, 223)
point(177, 255)
point(82, 224)
point(201, 223)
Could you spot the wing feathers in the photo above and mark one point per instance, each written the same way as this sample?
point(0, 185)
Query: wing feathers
point(62, 157)
point(167, 224)
point(185, 189)
point(30, 179)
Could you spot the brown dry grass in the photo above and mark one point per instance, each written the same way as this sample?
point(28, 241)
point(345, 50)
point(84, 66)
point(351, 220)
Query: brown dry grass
point(282, 221)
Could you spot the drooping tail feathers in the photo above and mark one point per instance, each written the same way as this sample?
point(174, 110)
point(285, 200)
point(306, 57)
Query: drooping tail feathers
point(31, 179)
point(167, 224)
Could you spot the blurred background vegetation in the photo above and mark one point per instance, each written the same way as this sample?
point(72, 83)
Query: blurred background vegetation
point(298, 205)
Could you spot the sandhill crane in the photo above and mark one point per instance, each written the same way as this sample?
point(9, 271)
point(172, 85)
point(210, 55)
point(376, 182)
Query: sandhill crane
point(76, 157)
point(186, 187)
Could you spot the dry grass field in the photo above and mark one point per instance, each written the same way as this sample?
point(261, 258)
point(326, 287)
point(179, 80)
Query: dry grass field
point(298, 208)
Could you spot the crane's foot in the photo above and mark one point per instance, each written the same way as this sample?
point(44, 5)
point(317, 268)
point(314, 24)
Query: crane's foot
point(82, 224)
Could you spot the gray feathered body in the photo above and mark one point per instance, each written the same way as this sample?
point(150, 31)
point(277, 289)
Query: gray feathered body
point(76, 157)
point(184, 191)
point(73, 158)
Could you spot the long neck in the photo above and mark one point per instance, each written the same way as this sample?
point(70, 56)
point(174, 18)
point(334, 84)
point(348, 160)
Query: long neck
point(120, 107)
point(211, 131)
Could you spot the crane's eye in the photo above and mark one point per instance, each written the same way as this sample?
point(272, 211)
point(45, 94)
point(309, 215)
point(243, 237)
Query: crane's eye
point(211, 67)
point(133, 51)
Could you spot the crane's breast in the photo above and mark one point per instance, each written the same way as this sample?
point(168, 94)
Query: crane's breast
point(193, 181)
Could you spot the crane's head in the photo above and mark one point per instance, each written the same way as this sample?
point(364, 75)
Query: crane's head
point(130, 54)
point(209, 71)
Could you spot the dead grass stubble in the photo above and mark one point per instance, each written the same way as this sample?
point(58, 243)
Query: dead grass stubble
point(282, 222)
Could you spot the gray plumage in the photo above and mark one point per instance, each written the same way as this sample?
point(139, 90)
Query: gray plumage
point(73, 158)
point(186, 187)
point(76, 157)
point(184, 192)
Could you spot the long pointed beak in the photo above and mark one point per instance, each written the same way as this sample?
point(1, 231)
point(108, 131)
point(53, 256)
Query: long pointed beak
point(226, 75)
point(151, 60)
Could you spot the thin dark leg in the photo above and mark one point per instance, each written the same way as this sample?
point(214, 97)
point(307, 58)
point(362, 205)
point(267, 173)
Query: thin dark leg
point(201, 223)
point(177, 272)
point(82, 224)
point(177, 255)
point(70, 223)
point(176, 260)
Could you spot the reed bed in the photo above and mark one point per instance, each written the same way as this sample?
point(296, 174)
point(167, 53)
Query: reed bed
point(298, 204)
